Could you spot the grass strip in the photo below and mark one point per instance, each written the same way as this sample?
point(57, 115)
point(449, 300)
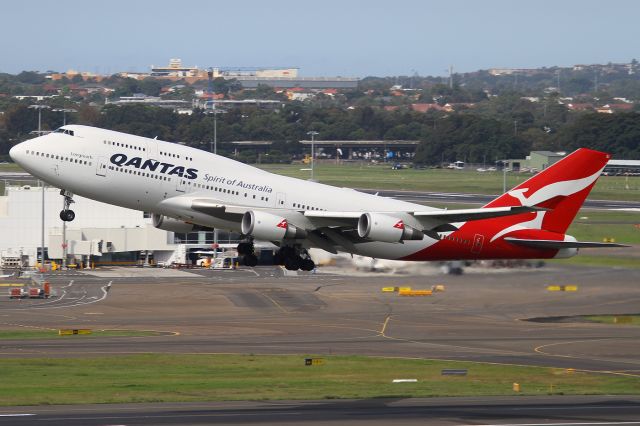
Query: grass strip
point(381, 176)
point(615, 319)
point(599, 261)
point(174, 378)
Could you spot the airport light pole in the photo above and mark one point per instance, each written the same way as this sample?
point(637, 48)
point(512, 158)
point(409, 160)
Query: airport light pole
point(214, 143)
point(504, 176)
point(313, 134)
point(214, 149)
point(40, 108)
point(64, 112)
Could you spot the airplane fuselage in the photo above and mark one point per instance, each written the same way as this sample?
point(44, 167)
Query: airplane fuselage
point(164, 178)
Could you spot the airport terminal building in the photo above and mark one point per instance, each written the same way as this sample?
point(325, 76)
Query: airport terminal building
point(101, 233)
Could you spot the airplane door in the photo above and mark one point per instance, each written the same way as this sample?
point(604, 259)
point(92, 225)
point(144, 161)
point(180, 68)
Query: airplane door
point(478, 241)
point(101, 167)
point(281, 200)
point(152, 149)
point(181, 184)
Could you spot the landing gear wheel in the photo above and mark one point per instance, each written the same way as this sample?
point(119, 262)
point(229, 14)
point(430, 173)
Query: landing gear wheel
point(292, 263)
point(67, 215)
point(278, 258)
point(245, 248)
point(250, 260)
point(307, 265)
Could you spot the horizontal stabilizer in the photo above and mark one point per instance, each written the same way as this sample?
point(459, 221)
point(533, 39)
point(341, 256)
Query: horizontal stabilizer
point(555, 244)
point(465, 215)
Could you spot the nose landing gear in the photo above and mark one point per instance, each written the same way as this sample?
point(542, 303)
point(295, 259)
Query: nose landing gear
point(66, 214)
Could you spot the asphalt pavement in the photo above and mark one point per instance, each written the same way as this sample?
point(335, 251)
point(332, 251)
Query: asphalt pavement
point(520, 411)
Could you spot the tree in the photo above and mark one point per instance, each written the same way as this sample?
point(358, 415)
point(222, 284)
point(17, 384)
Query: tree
point(618, 134)
point(150, 87)
point(30, 77)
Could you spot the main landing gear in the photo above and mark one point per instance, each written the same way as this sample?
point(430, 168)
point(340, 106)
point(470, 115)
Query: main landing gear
point(291, 257)
point(245, 249)
point(294, 258)
point(66, 214)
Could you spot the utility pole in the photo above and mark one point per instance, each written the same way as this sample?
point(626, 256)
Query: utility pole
point(40, 108)
point(451, 76)
point(64, 239)
point(313, 135)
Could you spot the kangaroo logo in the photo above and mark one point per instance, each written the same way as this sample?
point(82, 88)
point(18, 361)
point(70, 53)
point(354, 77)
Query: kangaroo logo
point(555, 189)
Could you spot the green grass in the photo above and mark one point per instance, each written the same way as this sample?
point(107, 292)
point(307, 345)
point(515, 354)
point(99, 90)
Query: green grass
point(597, 225)
point(583, 259)
point(172, 378)
point(53, 334)
point(380, 176)
point(611, 319)
point(10, 167)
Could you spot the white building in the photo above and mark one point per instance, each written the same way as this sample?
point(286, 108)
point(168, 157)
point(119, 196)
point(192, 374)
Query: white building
point(101, 230)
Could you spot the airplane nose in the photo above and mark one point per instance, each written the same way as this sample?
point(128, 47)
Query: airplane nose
point(15, 153)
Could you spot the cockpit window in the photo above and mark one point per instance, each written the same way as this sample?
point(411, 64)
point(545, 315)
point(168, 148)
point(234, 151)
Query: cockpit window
point(63, 130)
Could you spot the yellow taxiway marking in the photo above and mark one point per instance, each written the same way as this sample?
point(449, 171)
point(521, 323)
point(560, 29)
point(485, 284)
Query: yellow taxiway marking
point(11, 285)
point(272, 300)
point(384, 325)
point(539, 350)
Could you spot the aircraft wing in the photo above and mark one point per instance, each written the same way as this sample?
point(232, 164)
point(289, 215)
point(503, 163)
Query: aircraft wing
point(430, 219)
point(327, 229)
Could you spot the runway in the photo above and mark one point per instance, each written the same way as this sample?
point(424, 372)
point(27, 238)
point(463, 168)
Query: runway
point(480, 317)
point(529, 411)
point(420, 197)
point(423, 197)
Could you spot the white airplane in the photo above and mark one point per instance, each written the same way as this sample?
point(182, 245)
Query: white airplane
point(187, 189)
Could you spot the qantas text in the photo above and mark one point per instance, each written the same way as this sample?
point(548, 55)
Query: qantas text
point(121, 160)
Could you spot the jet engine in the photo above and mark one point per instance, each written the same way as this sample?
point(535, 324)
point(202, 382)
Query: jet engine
point(268, 227)
point(174, 225)
point(388, 229)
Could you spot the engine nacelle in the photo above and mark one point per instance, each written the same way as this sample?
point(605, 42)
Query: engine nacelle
point(174, 225)
point(388, 229)
point(268, 227)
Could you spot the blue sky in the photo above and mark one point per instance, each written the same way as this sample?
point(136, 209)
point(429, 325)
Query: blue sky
point(329, 37)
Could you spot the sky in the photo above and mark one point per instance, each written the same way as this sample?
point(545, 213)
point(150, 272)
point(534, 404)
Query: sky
point(350, 38)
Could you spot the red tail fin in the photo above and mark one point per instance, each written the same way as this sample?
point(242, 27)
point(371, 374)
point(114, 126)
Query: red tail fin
point(561, 188)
